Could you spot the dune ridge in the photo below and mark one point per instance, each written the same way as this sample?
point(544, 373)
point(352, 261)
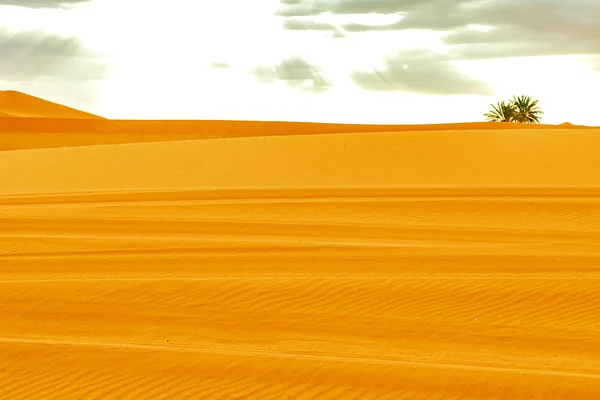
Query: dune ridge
point(424, 263)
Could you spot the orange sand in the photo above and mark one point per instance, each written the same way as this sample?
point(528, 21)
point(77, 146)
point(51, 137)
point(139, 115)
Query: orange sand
point(37, 133)
point(432, 263)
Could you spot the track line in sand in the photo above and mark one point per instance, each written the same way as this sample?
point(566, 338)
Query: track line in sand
point(311, 277)
point(240, 351)
point(311, 194)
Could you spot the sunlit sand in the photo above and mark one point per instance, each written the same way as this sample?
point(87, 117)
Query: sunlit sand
point(252, 260)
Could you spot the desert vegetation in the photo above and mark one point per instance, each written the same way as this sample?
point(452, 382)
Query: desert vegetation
point(520, 109)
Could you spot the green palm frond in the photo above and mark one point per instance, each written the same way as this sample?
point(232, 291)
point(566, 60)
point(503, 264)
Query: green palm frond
point(526, 110)
point(501, 112)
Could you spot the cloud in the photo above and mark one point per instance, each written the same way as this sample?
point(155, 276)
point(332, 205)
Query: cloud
point(297, 24)
point(42, 3)
point(220, 65)
point(518, 28)
point(373, 28)
point(297, 73)
point(32, 54)
point(299, 8)
point(419, 71)
point(304, 24)
point(555, 29)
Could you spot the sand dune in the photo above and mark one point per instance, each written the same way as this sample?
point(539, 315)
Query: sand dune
point(531, 159)
point(35, 133)
point(432, 264)
point(17, 104)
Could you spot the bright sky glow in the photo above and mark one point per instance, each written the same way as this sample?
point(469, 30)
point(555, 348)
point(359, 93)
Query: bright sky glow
point(159, 58)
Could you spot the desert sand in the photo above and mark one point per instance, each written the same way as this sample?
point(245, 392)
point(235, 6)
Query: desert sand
point(256, 260)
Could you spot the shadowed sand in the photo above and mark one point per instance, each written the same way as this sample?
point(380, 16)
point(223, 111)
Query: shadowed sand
point(419, 264)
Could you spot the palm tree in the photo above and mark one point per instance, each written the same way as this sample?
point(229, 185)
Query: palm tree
point(501, 112)
point(526, 110)
point(521, 109)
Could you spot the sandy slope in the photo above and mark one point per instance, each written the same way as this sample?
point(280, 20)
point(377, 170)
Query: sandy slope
point(30, 133)
point(413, 265)
point(534, 159)
point(21, 105)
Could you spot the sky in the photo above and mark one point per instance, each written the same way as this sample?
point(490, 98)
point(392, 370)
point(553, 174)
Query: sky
point(356, 61)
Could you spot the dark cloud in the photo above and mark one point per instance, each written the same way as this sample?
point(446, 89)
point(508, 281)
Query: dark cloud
point(33, 54)
point(419, 72)
point(296, 73)
point(521, 28)
point(42, 3)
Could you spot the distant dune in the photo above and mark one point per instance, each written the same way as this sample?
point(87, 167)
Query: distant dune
point(52, 125)
point(17, 104)
point(298, 261)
